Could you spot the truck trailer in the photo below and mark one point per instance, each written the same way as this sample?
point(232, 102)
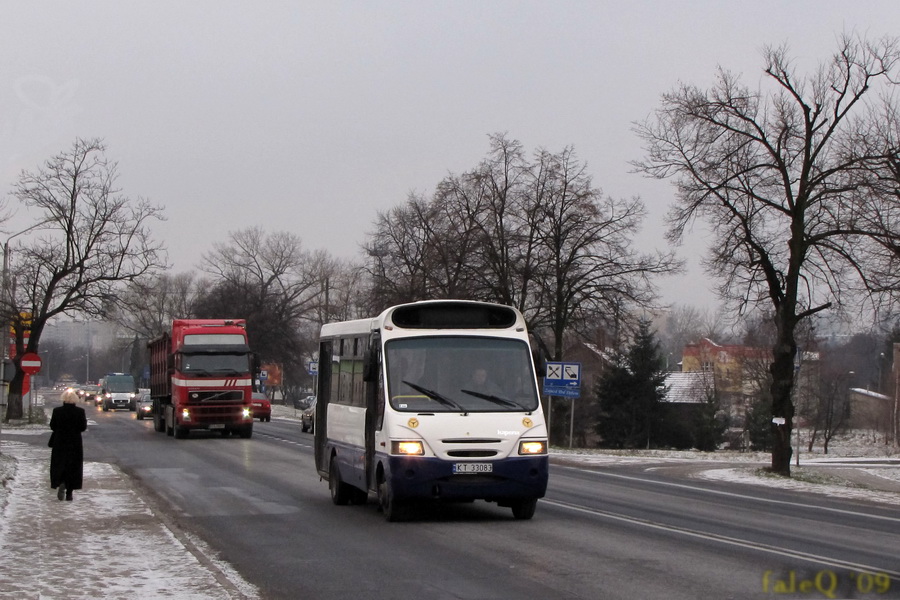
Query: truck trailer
point(200, 378)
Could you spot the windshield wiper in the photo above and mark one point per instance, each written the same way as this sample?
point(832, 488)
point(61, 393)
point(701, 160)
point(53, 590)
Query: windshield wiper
point(494, 399)
point(435, 396)
point(228, 370)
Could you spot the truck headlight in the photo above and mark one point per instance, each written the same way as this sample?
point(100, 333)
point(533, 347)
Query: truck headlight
point(532, 447)
point(246, 413)
point(185, 415)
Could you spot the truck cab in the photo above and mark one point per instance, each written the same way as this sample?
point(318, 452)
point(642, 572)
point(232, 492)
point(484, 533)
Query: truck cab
point(200, 378)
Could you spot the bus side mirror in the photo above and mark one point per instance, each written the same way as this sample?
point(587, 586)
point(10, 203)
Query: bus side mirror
point(370, 365)
point(540, 363)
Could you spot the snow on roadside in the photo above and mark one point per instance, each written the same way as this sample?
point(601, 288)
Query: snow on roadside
point(108, 539)
point(749, 476)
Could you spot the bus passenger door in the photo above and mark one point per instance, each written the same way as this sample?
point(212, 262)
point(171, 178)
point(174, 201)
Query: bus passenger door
point(374, 402)
point(323, 398)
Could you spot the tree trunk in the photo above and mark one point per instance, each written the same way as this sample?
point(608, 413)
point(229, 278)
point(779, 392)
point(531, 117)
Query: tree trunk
point(782, 370)
point(14, 401)
point(812, 439)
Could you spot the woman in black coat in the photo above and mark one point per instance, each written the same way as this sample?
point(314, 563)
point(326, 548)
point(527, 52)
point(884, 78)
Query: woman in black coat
point(67, 456)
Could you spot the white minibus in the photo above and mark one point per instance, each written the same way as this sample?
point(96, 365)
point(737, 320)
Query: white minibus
point(431, 401)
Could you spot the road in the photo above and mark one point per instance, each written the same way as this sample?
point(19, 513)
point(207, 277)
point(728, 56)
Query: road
point(606, 532)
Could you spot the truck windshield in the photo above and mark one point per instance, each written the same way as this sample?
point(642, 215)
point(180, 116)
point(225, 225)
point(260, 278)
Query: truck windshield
point(211, 364)
point(120, 383)
point(460, 374)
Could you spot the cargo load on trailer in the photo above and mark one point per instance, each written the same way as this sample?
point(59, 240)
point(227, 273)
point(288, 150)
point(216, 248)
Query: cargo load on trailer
point(200, 378)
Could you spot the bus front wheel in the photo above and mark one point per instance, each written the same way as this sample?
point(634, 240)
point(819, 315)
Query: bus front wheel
point(392, 509)
point(524, 509)
point(340, 494)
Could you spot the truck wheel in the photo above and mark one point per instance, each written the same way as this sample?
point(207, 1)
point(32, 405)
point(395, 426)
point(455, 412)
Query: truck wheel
point(181, 432)
point(247, 432)
point(158, 425)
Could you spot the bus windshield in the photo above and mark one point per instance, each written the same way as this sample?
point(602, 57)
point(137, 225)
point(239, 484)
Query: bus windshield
point(460, 374)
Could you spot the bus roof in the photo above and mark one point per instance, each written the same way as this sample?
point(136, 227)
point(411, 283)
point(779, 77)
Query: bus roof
point(434, 315)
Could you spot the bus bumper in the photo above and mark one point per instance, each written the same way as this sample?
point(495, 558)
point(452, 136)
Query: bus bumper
point(510, 478)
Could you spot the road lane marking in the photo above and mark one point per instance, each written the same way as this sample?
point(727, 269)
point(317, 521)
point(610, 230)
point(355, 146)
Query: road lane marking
point(840, 511)
point(723, 539)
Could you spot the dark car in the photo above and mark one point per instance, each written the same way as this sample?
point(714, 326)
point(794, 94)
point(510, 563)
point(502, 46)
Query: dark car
point(144, 405)
point(262, 408)
point(308, 417)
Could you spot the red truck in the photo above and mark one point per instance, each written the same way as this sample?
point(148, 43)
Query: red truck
point(200, 378)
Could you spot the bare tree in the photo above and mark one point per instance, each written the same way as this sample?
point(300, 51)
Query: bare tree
point(534, 234)
point(785, 176)
point(587, 263)
point(147, 307)
point(277, 286)
point(92, 239)
point(399, 251)
point(829, 404)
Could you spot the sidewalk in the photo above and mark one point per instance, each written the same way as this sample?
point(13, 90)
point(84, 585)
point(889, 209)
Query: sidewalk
point(106, 543)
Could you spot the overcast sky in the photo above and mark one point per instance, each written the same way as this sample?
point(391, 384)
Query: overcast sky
point(310, 117)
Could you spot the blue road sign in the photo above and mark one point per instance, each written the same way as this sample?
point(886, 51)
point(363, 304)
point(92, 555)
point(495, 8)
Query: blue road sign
point(563, 379)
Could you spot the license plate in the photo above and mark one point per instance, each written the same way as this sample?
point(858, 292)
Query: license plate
point(220, 426)
point(461, 468)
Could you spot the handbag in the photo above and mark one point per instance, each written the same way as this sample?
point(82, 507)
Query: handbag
point(51, 440)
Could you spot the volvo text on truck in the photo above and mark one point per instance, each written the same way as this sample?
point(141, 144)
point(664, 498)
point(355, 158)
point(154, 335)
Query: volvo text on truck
point(200, 378)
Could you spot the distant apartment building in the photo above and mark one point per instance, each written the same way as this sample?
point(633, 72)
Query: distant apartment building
point(741, 373)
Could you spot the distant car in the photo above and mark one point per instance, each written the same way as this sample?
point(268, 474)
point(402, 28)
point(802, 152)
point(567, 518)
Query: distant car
point(308, 417)
point(144, 405)
point(262, 408)
point(301, 403)
point(89, 393)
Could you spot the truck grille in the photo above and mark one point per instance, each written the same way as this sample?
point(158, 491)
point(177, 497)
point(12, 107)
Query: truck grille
point(215, 396)
point(204, 415)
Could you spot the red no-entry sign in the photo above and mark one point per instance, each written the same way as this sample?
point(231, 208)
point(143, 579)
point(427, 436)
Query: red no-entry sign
point(31, 363)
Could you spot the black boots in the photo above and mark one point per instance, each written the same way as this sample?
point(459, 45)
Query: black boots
point(61, 491)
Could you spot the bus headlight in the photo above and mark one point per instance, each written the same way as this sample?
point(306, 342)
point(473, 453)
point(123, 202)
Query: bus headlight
point(413, 448)
point(532, 447)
